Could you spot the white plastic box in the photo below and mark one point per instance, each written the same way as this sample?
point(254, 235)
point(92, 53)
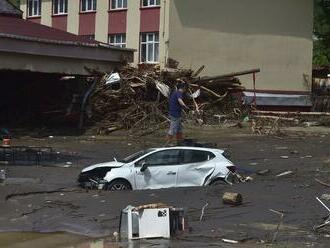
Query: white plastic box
point(144, 223)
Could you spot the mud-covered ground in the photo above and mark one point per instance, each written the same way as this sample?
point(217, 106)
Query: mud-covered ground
point(47, 199)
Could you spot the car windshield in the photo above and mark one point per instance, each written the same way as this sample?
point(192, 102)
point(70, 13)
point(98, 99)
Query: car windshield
point(135, 156)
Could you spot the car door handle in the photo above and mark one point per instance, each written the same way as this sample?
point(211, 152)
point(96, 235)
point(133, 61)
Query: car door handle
point(171, 173)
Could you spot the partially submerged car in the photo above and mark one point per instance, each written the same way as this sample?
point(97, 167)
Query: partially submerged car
point(161, 168)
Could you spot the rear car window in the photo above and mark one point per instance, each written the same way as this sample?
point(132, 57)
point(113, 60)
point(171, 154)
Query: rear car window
point(195, 156)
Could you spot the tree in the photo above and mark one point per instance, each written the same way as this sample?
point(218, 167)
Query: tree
point(321, 32)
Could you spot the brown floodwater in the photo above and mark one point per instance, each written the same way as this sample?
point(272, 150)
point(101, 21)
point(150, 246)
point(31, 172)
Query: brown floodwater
point(41, 240)
point(67, 240)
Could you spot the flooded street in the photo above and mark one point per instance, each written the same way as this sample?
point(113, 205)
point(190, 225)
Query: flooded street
point(47, 199)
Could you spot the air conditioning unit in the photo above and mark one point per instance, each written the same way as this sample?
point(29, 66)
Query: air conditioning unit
point(150, 221)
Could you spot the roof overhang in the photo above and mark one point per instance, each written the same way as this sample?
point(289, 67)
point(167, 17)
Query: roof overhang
point(76, 55)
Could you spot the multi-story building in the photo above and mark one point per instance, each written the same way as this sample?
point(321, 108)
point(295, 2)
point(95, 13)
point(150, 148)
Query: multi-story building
point(223, 35)
point(125, 23)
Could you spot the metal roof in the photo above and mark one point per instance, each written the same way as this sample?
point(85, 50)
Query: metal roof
point(7, 8)
point(17, 28)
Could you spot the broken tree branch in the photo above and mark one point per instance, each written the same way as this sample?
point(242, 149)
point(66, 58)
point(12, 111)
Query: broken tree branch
point(322, 183)
point(278, 225)
point(210, 91)
point(233, 74)
point(290, 113)
point(203, 209)
point(196, 73)
point(274, 118)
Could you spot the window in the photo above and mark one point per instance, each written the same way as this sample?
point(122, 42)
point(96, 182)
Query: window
point(194, 156)
point(118, 40)
point(150, 3)
point(88, 5)
point(168, 157)
point(149, 47)
point(88, 37)
point(34, 8)
point(60, 7)
point(135, 156)
point(118, 4)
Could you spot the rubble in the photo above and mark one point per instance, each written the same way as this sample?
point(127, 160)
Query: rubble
point(232, 198)
point(263, 172)
point(230, 241)
point(203, 211)
point(139, 101)
point(270, 122)
point(326, 220)
point(325, 197)
point(286, 173)
point(281, 215)
point(322, 183)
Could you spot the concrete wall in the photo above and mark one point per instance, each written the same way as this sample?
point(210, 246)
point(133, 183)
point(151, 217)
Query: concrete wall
point(23, 7)
point(133, 27)
point(73, 16)
point(164, 31)
point(46, 12)
point(101, 23)
point(234, 35)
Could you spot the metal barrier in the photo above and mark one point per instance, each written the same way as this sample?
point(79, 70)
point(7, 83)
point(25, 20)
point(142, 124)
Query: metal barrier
point(26, 154)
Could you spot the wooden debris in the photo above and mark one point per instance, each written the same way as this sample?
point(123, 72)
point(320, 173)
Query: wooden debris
point(325, 197)
point(286, 173)
point(232, 198)
point(203, 211)
point(278, 225)
point(274, 118)
point(263, 172)
point(322, 183)
point(152, 205)
point(290, 113)
point(229, 241)
point(196, 73)
point(139, 105)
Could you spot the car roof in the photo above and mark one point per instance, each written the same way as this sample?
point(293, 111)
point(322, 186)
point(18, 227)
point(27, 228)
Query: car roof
point(190, 148)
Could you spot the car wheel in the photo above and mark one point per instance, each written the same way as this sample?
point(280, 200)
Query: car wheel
point(218, 182)
point(118, 185)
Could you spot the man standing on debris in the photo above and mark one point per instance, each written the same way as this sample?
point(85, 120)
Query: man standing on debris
point(175, 110)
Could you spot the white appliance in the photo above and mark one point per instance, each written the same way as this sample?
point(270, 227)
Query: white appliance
point(150, 222)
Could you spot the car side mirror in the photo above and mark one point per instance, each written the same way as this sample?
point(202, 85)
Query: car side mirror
point(144, 167)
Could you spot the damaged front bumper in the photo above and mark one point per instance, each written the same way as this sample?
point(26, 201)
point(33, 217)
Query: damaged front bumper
point(87, 182)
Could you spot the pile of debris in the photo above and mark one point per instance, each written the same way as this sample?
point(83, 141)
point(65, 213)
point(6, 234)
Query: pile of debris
point(270, 122)
point(137, 98)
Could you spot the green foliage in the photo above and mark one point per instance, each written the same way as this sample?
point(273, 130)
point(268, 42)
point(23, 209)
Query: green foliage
point(321, 32)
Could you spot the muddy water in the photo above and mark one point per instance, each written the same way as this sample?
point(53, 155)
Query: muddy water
point(96, 213)
point(39, 240)
point(66, 240)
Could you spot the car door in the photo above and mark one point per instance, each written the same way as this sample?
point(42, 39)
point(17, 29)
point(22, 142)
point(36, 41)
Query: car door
point(161, 172)
point(196, 166)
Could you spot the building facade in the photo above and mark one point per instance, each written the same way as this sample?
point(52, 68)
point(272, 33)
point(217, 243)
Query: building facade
point(125, 23)
point(223, 35)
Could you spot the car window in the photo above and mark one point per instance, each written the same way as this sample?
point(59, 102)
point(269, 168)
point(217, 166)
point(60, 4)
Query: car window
point(195, 156)
point(135, 156)
point(168, 157)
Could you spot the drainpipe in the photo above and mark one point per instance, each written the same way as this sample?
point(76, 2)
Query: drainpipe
point(164, 32)
point(84, 102)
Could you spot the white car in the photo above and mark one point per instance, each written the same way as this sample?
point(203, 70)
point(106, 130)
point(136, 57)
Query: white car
point(162, 168)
